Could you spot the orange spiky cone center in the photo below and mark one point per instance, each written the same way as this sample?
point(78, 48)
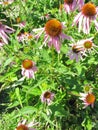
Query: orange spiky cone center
point(22, 127)
point(27, 64)
point(90, 98)
point(53, 28)
point(89, 9)
point(47, 95)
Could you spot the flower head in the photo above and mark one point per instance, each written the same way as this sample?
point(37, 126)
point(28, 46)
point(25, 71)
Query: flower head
point(88, 88)
point(88, 99)
point(87, 44)
point(80, 48)
point(6, 2)
point(47, 97)
point(22, 126)
point(3, 30)
point(28, 68)
point(76, 52)
point(71, 5)
point(88, 14)
point(53, 34)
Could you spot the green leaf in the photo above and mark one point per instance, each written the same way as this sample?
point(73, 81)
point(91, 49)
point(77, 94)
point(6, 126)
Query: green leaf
point(18, 96)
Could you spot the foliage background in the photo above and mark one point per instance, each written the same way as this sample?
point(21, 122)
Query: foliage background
point(20, 98)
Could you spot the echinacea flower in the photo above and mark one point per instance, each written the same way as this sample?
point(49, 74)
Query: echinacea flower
point(3, 30)
point(53, 34)
point(71, 5)
point(47, 97)
point(88, 44)
point(87, 15)
point(28, 68)
point(76, 52)
point(6, 2)
point(88, 99)
point(23, 126)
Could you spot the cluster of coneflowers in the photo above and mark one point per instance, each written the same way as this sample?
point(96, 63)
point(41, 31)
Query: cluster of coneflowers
point(54, 36)
point(87, 97)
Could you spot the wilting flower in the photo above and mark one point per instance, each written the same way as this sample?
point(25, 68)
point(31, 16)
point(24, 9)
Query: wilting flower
point(88, 14)
point(3, 30)
point(6, 2)
point(28, 68)
point(53, 34)
point(76, 52)
point(47, 97)
point(71, 5)
point(88, 99)
point(24, 36)
point(23, 126)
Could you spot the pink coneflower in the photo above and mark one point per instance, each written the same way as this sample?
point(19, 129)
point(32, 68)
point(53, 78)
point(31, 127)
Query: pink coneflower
point(22, 126)
point(71, 5)
point(85, 17)
point(76, 52)
point(47, 97)
point(53, 34)
point(28, 68)
point(88, 99)
point(3, 30)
